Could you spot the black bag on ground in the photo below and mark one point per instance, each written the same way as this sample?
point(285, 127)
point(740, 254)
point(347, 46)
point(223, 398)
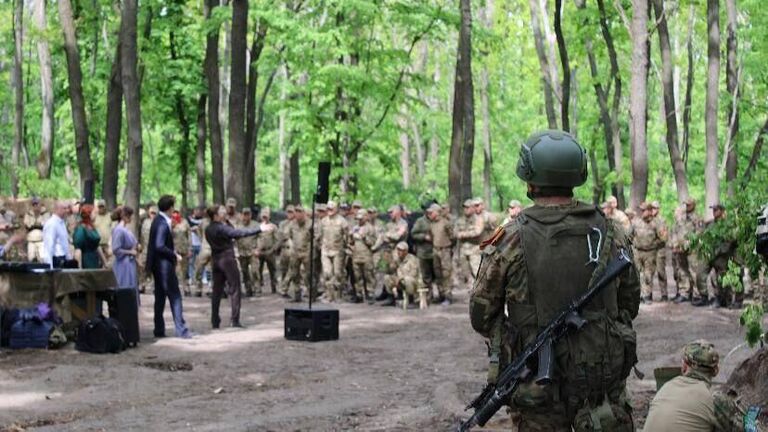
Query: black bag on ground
point(30, 330)
point(126, 310)
point(100, 335)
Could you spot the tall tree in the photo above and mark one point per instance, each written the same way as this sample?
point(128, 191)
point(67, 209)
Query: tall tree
point(688, 85)
point(185, 129)
point(732, 72)
point(566, 65)
point(463, 132)
point(77, 101)
point(45, 158)
point(211, 69)
point(670, 114)
point(486, 17)
point(711, 179)
point(132, 91)
point(202, 135)
point(113, 131)
point(18, 83)
point(237, 99)
point(638, 100)
point(547, 79)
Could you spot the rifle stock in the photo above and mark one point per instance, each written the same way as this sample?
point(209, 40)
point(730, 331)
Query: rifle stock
point(493, 397)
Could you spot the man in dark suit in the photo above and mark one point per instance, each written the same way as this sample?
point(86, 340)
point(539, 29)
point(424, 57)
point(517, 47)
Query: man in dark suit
point(161, 262)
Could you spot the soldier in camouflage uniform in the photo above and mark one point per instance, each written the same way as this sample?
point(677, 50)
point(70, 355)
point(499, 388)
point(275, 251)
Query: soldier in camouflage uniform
point(469, 231)
point(181, 243)
point(406, 280)
point(489, 219)
point(421, 234)
point(233, 217)
point(684, 260)
point(145, 277)
point(246, 253)
point(298, 235)
point(648, 239)
point(361, 238)
point(203, 260)
point(617, 215)
point(102, 221)
point(332, 238)
point(266, 247)
point(33, 222)
point(513, 211)
point(284, 248)
point(661, 255)
point(688, 403)
point(533, 267)
point(711, 272)
point(441, 230)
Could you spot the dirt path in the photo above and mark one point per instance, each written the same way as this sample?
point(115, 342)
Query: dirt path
point(390, 370)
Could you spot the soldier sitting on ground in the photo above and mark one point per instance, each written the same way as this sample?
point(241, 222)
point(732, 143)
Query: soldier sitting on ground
point(687, 403)
point(407, 279)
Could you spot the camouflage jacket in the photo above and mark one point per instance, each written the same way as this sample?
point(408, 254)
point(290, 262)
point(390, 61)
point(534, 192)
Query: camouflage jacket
point(361, 239)
point(649, 235)
point(680, 237)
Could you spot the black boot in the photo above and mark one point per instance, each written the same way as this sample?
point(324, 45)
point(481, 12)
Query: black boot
point(699, 302)
point(680, 299)
point(382, 296)
point(715, 303)
point(647, 300)
point(738, 301)
point(389, 301)
point(664, 298)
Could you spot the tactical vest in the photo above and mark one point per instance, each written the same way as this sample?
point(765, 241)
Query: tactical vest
point(565, 250)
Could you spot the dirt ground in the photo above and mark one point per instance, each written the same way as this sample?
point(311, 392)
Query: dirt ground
point(390, 370)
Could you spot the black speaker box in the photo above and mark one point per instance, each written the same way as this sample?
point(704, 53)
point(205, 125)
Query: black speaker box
point(312, 325)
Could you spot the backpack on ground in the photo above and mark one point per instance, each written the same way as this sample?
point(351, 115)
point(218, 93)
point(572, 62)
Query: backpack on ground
point(30, 330)
point(100, 335)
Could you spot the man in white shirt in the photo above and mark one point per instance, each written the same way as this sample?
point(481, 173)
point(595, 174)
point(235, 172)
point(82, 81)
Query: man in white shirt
point(55, 237)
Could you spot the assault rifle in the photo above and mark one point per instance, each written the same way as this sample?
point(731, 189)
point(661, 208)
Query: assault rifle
point(494, 396)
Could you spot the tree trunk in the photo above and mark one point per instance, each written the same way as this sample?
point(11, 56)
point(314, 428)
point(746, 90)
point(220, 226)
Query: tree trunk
point(184, 124)
point(732, 85)
point(75, 75)
point(45, 158)
point(211, 67)
point(113, 132)
point(419, 144)
point(295, 177)
point(252, 124)
point(670, 115)
point(18, 82)
point(463, 133)
point(712, 181)
point(131, 90)
point(486, 15)
point(202, 134)
point(688, 87)
point(563, 50)
point(638, 99)
point(405, 149)
point(546, 78)
point(237, 98)
point(756, 151)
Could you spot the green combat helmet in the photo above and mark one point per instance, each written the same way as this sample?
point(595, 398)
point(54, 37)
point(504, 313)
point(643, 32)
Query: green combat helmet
point(701, 355)
point(552, 158)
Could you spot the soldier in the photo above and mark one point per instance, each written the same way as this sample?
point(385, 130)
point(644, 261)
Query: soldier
point(102, 221)
point(346, 212)
point(145, 277)
point(33, 222)
point(441, 230)
point(618, 215)
point(687, 403)
point(233, 217)
point(513, 210)
point(246, 253)
point(332, 238)
point(712, 271)
point(489, 219)
point(661, 254)
point(284, 248)
point(649, 238)
point(533, 276)
point(203, 260)
point(181, 243)
point(406, 281)
point(266, 247)
point(298, 235)
point(469, 231)
point(361, 238)
point(421, 234)
point(684, 260)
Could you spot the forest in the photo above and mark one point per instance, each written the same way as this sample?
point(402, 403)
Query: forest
point(408, 99)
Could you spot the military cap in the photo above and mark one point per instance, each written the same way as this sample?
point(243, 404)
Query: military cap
point(655, 205)
point(289, 208)
point(701, 354)
point(331, 205)
point(265, 212)
point(468, 203)
point(717, 207)
point(605, 204)
point(231, 202)
point(298, 208)
point(357, 203)
point(36, 200)
point(344, 206)
point(361, 214)
point(514, 204)
point(373, 210)
point(99, 202)
point(643, 205)
point(246, 210)
point(402, 246)
point(477, 201)
point(690, 201)
point(612, 200)
point(434, 208)
point(318, 207)
point(394, 208)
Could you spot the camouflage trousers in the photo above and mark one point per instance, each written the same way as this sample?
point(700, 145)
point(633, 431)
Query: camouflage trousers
point(248, 265)
point(646, 265)
point(444, 265)
point(469, 261)
point(201, 263)
point(409, 285)
point(661, 269)
point(145, 277)
point(284, 266)
point(364, 279)
point(181, 272)
point(267, 260)
point(298, 270)
point(333, 274)
point(35, 251)
point(685, 266)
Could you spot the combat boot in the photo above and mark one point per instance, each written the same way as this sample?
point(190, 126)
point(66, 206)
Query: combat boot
point(664, 298)
point(715, 303)
point(699, 301)
point(382, 296)
point(738, 301)
point(680, 299)
point(647, 300)
point(389, 301)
